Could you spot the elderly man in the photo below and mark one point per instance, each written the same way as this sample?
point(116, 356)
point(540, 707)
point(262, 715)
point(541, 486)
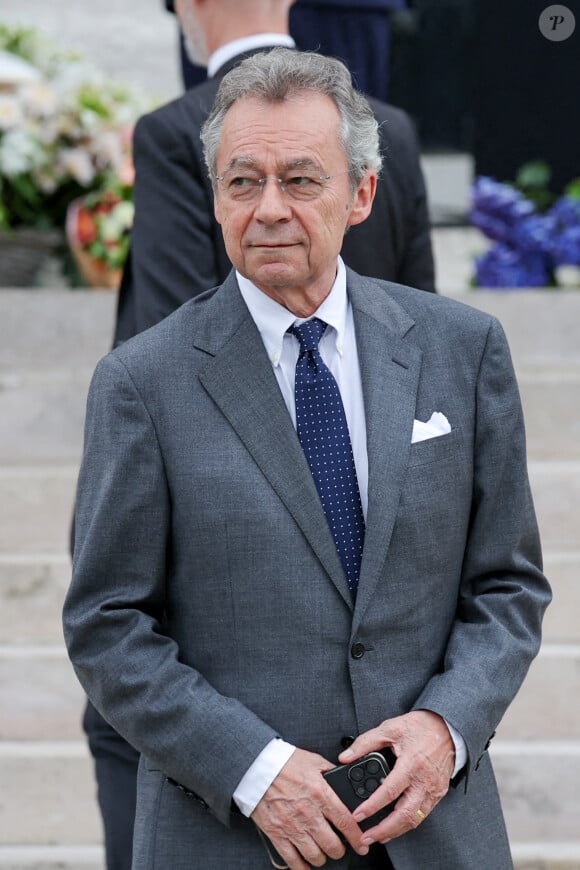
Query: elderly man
point(176, 236)
point(304, 522)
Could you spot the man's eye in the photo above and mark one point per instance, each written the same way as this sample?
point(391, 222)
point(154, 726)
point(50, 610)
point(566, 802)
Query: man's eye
point(243, 181)
point(300, 181)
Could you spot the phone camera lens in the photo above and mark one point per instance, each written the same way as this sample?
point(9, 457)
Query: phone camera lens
point(373, 766)
point(357, 774)
point(371, 784)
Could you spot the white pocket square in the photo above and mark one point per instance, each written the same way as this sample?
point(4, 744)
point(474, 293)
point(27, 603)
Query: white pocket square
point(433, 428)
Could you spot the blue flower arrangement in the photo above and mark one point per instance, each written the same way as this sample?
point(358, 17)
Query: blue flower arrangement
point(536, 235)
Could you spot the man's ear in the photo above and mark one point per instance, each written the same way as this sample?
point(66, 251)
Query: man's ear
point(363, 199)
point(216, 209)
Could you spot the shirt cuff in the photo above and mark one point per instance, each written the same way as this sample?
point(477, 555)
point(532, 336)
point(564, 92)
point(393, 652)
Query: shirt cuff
point(460, 749)
point(261, 774)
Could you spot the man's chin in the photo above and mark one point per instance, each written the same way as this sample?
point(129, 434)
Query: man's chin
point(274, 275)
point(269, 267)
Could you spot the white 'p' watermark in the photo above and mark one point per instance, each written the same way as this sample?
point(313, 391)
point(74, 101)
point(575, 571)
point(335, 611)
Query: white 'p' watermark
point(557, 23)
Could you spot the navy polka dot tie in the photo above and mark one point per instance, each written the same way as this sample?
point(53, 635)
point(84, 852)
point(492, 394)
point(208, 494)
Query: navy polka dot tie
point(323, 433)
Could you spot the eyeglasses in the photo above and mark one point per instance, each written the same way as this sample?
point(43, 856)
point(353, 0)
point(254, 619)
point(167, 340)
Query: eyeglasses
point(247, 186)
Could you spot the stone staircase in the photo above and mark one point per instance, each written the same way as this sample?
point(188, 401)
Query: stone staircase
point(49, 343)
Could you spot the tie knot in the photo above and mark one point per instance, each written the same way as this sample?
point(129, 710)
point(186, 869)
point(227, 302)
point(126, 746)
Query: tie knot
point(309, 333)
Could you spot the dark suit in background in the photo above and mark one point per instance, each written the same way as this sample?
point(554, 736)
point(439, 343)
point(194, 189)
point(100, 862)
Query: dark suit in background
point(191, 74)
point(358, 33)
point(177, 246)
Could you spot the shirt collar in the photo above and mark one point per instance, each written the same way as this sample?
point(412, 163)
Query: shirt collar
point(246, 43)
point(273, 320)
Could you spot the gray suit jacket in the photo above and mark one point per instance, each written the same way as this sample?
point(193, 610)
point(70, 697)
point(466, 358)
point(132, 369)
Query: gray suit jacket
point(209, 612)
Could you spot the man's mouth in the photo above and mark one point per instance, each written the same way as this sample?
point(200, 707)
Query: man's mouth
point(272, 244)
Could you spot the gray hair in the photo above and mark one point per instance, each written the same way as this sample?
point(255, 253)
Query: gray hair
point(282, 72)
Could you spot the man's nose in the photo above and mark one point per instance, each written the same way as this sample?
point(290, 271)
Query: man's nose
point(273, 203)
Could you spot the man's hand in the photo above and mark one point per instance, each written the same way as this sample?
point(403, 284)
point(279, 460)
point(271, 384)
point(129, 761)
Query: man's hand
point(425, 761)
point(296, 811)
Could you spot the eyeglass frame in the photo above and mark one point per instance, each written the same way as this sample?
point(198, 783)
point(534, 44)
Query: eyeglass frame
point(282, 183)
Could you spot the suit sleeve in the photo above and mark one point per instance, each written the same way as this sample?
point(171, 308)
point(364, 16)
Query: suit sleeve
point(503, 592)
point(173, 240)
point(114, 611)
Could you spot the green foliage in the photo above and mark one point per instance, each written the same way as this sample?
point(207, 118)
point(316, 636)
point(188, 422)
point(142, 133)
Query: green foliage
point(533, 179)
point(573, 189)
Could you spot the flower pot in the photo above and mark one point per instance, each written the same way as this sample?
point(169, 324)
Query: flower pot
point(95, 273)
point(23, 252)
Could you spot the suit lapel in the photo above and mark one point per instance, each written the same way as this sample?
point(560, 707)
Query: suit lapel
point(390, 367)
point(240, 380)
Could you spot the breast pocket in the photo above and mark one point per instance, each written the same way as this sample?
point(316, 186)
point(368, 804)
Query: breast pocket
point(434, 449)
point(434, 507)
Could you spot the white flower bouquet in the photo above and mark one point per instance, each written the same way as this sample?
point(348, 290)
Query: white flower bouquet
point(64, 129)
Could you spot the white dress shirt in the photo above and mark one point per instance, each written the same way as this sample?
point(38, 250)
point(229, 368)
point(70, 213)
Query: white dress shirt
point(339, 351)
point(245, 43)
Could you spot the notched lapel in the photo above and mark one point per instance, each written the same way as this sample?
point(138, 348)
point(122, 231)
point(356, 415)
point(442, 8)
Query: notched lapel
point(390, 367)
point(240, 380)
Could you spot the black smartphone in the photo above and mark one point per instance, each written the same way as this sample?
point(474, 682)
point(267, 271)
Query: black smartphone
point(355, 782)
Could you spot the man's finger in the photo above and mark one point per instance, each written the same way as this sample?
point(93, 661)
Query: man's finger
point(342, 821)
point(301, 809)
point(371, 741)
point(390, 790)
point(287, 852)
point(408, 814)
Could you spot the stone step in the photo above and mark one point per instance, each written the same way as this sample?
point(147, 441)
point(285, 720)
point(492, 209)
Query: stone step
point(43, 383)
point(42, 415)
point(535, 856)
point(32, 590)
point(62, 330)
point(548, 703)
point(36, 505)
point(561, 622)
point(52, 858)
point(41, 698)
point(541, 326)
point(552, 415)
point(537, 782)
point(556, 491)
point(47, 795)
point(547, 855)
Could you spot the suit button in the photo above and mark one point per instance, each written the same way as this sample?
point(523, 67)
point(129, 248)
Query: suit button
point(347, 741)
point(357, 650)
